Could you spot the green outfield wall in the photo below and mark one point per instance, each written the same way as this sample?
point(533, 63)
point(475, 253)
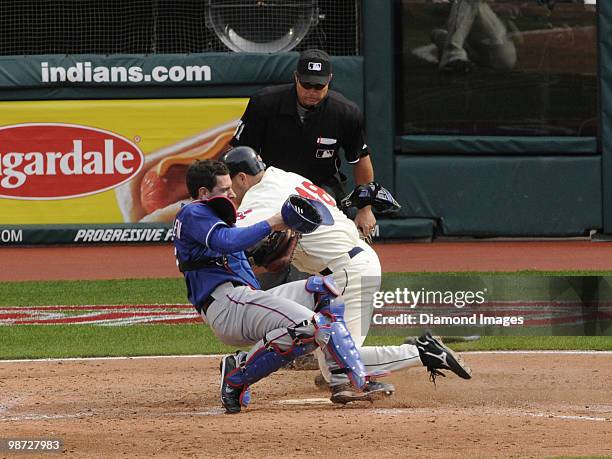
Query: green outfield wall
point(605, 81)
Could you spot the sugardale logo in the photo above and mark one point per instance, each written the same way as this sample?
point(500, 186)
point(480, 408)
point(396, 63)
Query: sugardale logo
point(316, 66)
point(59, 161)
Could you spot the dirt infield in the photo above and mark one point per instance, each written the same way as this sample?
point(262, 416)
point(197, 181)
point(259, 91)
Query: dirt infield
point(532, 405)
point(150, 261)
point(517, 405)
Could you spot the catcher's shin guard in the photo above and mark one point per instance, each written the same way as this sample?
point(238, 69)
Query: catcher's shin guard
point(270, 358)
point(332, 334)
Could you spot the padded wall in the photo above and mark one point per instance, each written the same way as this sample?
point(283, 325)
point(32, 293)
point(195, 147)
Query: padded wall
point(605, 74)
point(502, 196)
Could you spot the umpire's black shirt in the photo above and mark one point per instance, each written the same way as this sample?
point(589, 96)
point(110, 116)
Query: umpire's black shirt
point(272, 127)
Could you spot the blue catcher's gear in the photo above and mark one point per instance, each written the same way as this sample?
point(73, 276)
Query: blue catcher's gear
point(334, 336)
point(327, 329)
point(305, 215)
point(371, 194)
point(263, 361)
point(270, 358)
point(324, 288)
point(332, 333)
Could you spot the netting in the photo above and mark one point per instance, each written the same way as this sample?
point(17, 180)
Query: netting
point(32, 27)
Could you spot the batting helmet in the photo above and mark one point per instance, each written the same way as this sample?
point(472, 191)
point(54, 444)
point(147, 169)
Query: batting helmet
point(243, 159)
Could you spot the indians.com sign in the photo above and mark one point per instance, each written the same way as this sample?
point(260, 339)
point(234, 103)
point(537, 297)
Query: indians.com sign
point(60, 161)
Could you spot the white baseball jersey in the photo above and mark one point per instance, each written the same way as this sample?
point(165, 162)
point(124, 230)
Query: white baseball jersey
point(327, 247)
point(315, 251)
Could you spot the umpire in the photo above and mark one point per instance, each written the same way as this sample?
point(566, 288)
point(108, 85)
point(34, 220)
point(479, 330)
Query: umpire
point(302, 126)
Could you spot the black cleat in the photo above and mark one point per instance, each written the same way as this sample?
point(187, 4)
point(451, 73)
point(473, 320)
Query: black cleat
point(458, 67)
point(436, 356)
point(232, 397)
point(373, 390)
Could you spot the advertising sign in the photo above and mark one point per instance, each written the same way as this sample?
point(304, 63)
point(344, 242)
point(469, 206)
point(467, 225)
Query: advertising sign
point(117, 162)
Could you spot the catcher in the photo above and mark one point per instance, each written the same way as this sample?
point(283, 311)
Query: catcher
point(335, 250)
point(280, 325)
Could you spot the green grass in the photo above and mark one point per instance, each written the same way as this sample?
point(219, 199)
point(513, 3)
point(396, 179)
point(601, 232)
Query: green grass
point(167, 290)
point(513, 343)
point(60, 341)
point(125, 291)
point(40, 341)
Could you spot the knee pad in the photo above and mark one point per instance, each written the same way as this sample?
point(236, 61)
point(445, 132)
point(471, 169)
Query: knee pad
point(324, 288)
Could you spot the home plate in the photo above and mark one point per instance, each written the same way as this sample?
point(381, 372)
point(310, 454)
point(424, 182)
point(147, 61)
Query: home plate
point(305, 401)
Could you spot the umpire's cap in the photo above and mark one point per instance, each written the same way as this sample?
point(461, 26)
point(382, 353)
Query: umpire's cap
point(314, 67)
point(243, 159)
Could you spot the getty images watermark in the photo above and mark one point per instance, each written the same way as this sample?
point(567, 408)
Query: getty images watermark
point(506, 304)
point(390, 308)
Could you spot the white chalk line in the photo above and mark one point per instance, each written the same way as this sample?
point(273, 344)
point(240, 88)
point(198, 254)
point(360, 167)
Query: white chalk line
point(488, 411)
point(7, 404)
point(567, 416)
point(43, 417)
point(54, 417)
point(304, 401)
point(217, 356)
point(416, 412)
point(210, 412)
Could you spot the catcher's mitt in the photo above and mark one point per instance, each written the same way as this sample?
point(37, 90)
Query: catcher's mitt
point(305, 215)
point(275, 252)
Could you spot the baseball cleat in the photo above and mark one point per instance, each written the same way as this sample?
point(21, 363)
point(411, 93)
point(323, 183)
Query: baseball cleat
point(232, 398)
point(458, 67)
point(373, 390)
point(436, 356)
point(447, 339)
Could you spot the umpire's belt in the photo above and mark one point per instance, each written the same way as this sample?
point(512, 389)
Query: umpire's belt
point(209, 300)
point(351, 253)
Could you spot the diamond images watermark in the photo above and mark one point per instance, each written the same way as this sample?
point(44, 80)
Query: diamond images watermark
point(488, 304)
point(426, 308)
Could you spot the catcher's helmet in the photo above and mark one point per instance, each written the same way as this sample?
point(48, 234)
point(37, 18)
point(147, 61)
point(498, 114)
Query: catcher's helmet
point(243, 159)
